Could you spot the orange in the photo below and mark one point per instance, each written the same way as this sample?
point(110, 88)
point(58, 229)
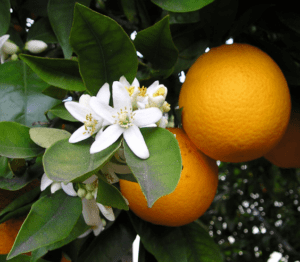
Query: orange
point(236, 103)
point(287, 153)
point(192, 196)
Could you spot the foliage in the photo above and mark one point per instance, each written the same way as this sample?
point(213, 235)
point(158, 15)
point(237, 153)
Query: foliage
point(94, 42)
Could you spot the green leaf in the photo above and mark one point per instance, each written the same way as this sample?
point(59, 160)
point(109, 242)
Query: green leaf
point(182, 6)
point(20, 258)
point(15, 141)
point(21, 201)
point(62, 73)
point(55, 92)
point(184, 18)
point(50, 220)
point(109, 195)
point(42, 30)
point(104, 49)
point(190, 243)
point(62, 112)
point(159, 174)
point(21, 99)
point(16, 213)
point(68, 162)
point(112, 244)
point(45, 137)
point(4, 16)
point(61, 16)
point(156, 45)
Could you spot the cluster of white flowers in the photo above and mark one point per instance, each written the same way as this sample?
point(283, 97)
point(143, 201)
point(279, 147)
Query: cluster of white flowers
point(8, 49)
point(134, 107)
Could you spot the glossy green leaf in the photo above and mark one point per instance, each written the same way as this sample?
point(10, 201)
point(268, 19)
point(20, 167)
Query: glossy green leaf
point(159, 174)
point(55, 92)
point(66, 162)
point(156, 45)
point(181, 6)
point(61, 16)
point(15, 141)
point(189, 243)
point(50, 220)
point(21, 99)
point(45, 137)
point(20, 258)
point(58, 72)
point(62, 112)
point(4, 16)
point(104, 49)
point(109, 195)
point(112, 244)
point(42, 30)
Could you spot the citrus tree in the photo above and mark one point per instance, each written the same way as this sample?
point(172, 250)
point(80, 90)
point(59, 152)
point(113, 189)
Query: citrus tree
point(102, 139)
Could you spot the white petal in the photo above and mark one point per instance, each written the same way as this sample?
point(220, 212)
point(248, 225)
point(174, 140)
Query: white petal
point(136, 142)
point(97, 229)
point(3, 39)
point(90, 180)
point(55, 186)
point(107, 138)
point(103, 110)
point(90, 212)
point(121, 97)
point(69, 189)
point(45, 182)
point(77, 110)
point(85, 233)
point(147, 116)
point(79, 135)
point(104, 94)
point(84, 100)
point(107, 212)
point(135, 83)
point(152, 88)
point(124, 81)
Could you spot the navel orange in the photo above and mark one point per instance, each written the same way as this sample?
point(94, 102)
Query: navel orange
point(287, 153)
point(192, 196)
point(236, 103)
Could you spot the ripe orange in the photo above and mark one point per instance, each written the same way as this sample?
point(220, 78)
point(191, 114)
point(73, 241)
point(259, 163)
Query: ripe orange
point(287, 153)
point(236, 103)
point(192, 196)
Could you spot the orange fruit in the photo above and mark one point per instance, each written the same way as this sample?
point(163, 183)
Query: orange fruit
point(236, 103)
point(192, 196)
point(286, 154)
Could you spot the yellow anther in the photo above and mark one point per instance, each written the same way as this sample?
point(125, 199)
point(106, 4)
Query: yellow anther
point(159, 92)
point(130, 90)
point(143, 91)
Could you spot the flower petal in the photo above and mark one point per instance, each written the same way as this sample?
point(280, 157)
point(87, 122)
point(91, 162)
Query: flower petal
point(55, 186)
point(79, 135)
point(103, 110)
point(69, 189)
point(97, 229)
point(121, 96)
point(135, 83)
point(3, 39)
point(90, 212)
point(77, 110)
point(107, 138)
point(136, 142)
point(45, 182)
point(104, 94)
point(124, 81)
point(107, 212)
point(152, 88)
point(147, 116)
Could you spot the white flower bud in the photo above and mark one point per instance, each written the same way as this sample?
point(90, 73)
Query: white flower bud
point(9, 48)
point(36, 46)
point(81, 192)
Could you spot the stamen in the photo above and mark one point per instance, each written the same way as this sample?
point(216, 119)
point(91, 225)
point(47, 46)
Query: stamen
point(90, 124)
point(130, 90)
point(143, 91)
point(159, 92)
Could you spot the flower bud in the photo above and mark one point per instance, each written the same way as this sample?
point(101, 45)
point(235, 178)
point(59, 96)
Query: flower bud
point(89, 196)
point(10, 48)
point(36, 46)
point(14, 57)
point(81, 192)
